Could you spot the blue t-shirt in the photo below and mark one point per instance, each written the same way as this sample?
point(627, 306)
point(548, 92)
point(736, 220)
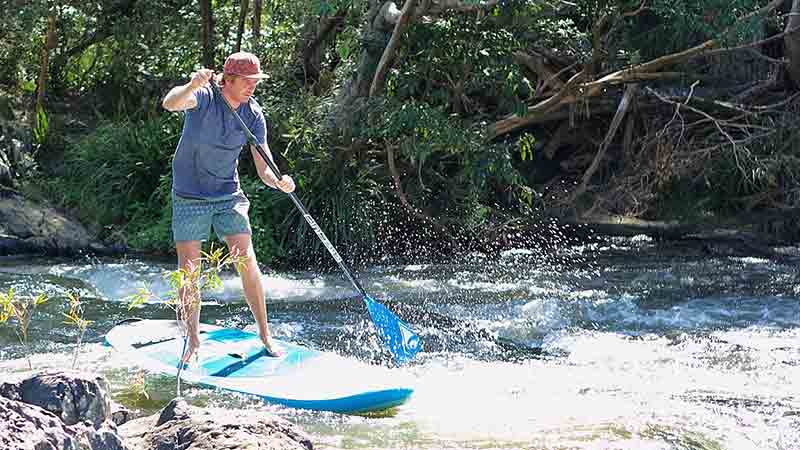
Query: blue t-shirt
point(206, 160)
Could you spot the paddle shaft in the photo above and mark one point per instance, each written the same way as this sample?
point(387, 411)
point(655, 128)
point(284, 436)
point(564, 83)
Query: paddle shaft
point(297, 203)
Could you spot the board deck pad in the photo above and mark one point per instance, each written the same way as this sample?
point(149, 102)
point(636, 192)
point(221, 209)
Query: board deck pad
point(235, 360)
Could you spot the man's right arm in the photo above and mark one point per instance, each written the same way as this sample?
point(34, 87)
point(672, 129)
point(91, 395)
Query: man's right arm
point(181, 98)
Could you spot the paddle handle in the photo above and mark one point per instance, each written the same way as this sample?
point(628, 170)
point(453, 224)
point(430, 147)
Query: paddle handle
point(251, 139)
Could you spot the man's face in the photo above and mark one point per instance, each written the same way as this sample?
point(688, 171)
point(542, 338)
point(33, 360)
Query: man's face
point(240, 88)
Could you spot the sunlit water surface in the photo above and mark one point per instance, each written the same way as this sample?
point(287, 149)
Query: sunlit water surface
point(615, 346)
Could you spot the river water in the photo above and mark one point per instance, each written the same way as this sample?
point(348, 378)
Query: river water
point(615, 345)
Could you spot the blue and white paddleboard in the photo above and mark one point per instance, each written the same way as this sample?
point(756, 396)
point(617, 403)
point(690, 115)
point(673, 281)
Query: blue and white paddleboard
point(235, 360)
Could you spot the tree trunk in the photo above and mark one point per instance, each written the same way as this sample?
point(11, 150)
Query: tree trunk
point(244, 7)
point(792, 43)
point(207, 33)
point(318, 33)
point(258, 7)
point(49, 45)
point(377, 33)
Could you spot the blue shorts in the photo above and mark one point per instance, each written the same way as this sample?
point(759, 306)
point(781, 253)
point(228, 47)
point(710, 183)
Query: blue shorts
point(192, 219)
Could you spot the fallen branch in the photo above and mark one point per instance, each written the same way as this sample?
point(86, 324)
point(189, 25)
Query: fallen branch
point(572, 93)
point(624, 105)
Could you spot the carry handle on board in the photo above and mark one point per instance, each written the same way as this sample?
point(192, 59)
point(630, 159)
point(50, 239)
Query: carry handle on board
point(396, 335)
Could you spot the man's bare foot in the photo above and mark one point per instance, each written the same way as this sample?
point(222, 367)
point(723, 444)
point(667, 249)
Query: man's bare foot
point(192, 345)
point(273, 349)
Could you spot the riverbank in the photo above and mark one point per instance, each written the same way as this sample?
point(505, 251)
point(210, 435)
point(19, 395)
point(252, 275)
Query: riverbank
point(28, 227)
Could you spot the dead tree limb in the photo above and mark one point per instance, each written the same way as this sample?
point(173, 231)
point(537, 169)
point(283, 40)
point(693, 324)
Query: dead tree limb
point(624, 105)
point(572, 94)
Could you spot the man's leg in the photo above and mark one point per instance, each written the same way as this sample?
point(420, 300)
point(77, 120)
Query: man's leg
point(188, 309)
point(240, 246)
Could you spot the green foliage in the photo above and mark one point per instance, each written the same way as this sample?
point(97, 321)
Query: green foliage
point(472, 64)
point(116, 177)
point(42, 126)
point(150, 224)
point(20, 310)
point(343, 197)
point(202, 276)
point(453, 167)
point(266, 208)
point(526, 143)
point(74, 317)
point(340, 190)
point(686, 23)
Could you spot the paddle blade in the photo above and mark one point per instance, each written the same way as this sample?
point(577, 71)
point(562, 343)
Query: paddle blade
point(396, 335)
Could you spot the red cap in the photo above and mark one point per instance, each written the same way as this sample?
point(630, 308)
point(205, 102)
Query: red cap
point(243, 64)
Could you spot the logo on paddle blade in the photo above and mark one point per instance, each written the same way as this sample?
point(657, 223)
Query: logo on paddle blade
point(410, 342)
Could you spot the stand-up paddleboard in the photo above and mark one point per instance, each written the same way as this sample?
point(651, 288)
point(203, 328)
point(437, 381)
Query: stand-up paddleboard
point(235, 360)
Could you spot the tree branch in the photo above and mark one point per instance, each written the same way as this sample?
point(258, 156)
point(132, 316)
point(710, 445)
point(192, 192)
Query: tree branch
point(387, 58)
point(537, 64)
point(103, 31)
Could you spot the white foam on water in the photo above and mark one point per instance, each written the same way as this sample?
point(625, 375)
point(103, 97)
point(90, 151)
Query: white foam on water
point(118, 282)
point(609, 384)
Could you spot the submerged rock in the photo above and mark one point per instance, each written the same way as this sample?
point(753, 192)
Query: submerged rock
point(181, 426)
point(120, 414)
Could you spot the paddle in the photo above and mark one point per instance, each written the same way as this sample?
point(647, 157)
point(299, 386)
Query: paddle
point(396, 335)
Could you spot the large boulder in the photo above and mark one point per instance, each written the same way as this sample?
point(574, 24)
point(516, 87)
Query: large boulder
point(26, 227)
point(184, 427)
point(72, 396)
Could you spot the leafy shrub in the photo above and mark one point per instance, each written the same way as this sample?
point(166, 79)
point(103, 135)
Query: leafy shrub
point(117, 174)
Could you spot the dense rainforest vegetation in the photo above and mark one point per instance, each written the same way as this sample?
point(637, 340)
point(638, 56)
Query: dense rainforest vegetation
point(426, 125)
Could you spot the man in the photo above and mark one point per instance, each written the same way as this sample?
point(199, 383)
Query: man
point(205, 183)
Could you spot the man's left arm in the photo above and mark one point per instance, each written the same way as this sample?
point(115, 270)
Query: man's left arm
point(264, 172)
